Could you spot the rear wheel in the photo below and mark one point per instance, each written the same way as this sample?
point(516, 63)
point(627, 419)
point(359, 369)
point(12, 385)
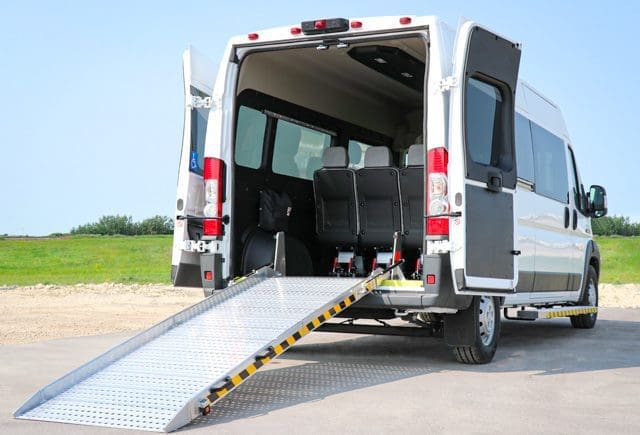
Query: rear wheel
point(589, 298)
point(486, 332)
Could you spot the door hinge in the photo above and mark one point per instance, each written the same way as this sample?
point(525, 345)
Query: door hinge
point(198, 102)
point(447, 83)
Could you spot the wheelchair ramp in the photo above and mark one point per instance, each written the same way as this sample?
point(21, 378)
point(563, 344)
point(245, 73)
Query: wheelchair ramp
point(166, 376)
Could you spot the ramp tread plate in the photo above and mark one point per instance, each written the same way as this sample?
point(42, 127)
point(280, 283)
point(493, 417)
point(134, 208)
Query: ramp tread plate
point(146, 388)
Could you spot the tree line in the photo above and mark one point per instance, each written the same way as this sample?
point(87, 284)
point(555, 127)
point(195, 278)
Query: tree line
point(124, 225)
point(615, 226)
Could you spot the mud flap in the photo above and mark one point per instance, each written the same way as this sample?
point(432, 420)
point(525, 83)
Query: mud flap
point(460, 328)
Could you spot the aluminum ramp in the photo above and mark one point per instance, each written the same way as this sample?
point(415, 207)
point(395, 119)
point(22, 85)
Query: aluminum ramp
point(166, 376)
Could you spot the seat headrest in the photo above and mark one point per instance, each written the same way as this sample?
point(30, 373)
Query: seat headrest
point(335, 157)
point(415, 155)
point(377, 157)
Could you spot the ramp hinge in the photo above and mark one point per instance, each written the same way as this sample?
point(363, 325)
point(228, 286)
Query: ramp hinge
point(447, 83)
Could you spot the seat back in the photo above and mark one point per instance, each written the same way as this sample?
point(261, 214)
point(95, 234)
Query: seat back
point(378, 191)
point(334, 188)
point(412, 193)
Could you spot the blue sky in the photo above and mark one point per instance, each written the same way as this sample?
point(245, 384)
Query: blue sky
point(91, 114)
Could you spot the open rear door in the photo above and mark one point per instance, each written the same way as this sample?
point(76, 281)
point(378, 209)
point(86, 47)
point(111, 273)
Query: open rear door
point(482, 165)
point(199, 77)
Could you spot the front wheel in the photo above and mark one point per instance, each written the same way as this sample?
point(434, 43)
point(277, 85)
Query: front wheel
point(590, 299)
point(483, 331)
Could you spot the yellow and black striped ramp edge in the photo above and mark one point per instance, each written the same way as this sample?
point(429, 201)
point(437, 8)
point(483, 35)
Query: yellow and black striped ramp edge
point(230, 383)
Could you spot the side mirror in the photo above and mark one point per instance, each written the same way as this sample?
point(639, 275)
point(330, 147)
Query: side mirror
point(597, 201)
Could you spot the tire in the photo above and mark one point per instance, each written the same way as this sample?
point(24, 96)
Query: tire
point(589, 298)
point(486, 315)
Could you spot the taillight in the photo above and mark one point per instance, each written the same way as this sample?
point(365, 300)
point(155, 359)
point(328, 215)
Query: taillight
point(437, 191)
point(213, 195)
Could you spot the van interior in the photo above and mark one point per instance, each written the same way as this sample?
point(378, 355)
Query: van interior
point(332, 129)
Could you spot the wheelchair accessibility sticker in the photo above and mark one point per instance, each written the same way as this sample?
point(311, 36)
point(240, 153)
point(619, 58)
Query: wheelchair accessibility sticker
point(193, 165)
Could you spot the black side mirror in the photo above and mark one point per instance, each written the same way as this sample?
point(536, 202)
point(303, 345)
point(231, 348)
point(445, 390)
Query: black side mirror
point(597, 201)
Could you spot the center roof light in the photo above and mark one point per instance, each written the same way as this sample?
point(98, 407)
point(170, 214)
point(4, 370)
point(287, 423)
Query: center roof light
point(328, 25)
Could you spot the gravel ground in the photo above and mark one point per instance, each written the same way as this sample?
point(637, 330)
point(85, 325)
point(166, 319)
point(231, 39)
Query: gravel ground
point(44, 312)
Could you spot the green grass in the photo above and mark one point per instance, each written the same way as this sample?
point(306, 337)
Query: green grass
point(140, 259)
point(620, 258)
point(85, 259)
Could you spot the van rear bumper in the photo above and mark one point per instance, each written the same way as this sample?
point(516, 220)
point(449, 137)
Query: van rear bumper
point(438, 295)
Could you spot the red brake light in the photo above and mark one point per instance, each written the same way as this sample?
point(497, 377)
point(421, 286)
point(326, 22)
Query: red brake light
point(320, 24)
point(437, 194)
point(431, 279)
point(405, 20)
point(253, 36)
point(356, 24)
point(213, 175)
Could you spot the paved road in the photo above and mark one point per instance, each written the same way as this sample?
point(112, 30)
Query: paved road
point(545, 378)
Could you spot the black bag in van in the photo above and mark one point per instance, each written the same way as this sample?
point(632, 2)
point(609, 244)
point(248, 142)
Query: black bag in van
point(275, 209)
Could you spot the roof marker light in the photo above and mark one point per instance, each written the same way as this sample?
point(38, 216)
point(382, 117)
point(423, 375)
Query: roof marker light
point(253, 36)
point(405, 20)
point(320, 24)
point(356, 24)
point(296, 30)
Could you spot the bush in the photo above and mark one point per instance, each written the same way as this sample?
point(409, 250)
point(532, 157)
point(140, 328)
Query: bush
point(615, 226)
point(124, 225)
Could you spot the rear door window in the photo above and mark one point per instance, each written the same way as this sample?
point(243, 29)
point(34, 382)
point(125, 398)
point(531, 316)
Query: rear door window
point(297, 150)
point(550, 164)
point(483, 116)
point(250, 137)
point(199, 119)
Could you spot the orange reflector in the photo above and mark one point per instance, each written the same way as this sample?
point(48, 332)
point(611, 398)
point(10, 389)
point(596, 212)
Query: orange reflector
point(208, 275)
point(431, 279)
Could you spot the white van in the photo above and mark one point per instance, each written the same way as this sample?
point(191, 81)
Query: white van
point(374, 141)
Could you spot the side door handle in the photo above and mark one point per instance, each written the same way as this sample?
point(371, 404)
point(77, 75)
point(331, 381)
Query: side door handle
point(575, 219)
point(566, 217)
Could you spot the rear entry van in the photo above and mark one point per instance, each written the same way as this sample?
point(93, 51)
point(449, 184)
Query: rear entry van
point(340, 147)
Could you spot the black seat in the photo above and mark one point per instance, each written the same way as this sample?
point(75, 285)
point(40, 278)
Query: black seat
point(378, 199)
point(412, 193)
point(335, 196)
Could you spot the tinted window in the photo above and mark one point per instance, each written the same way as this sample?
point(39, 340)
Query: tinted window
point(297, 150)
point(524, 149)
point(250, 137)
point(550, 164)
point(483, 129)
point(356, 153)
point(579, 198)
point(198, 130)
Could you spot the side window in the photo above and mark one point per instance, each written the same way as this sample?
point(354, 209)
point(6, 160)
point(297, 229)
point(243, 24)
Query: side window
point(250, 137)
point(483, 122)
point(524, 149)
point(550, 164)
point(356, 153)
point(297, 150)
point(579, 198)
point(198, 130)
